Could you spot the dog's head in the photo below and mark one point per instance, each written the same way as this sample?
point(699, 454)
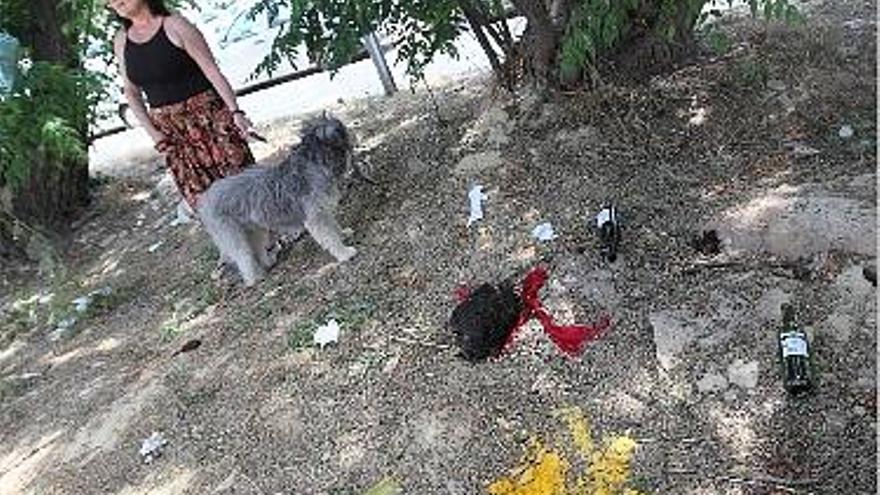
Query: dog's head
point(329, 132)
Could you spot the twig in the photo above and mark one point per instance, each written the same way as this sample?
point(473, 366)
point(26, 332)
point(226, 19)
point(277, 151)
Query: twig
point(404, 340)
point(777, 483)
point(790, 486)
point(254, 483)
point(775, 266)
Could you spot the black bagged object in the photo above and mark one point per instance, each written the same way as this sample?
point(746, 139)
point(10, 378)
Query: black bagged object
point(608, 225)
point(483, 321)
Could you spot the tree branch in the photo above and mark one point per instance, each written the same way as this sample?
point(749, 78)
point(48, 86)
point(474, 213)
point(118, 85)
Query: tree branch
point(472, 17)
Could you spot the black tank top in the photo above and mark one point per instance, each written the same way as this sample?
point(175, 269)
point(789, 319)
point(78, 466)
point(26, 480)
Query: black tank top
point(165, 72)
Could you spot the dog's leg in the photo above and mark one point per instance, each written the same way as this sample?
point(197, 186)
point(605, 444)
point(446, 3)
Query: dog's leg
point(222, 263)
point(322, 226)
point(262, 243)
point(232, 240)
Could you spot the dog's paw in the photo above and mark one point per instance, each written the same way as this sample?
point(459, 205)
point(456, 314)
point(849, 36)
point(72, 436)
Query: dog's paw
point(251, 279)
point(270, 258)
point(346, 254)
point(222, 271)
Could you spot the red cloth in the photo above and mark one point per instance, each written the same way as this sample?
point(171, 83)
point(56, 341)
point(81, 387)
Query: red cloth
point(570, 339)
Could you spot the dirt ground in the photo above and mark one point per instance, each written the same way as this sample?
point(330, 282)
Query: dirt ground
point(772, 144)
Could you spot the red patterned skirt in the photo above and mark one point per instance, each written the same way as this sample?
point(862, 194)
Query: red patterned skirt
point(205, 144)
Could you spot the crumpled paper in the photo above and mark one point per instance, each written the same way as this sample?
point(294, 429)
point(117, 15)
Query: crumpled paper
point(327, 333)
point(544, 232)
point(476, 198)
point(151, 447)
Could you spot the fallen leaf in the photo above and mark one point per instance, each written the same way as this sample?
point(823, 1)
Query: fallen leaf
point(388, 486)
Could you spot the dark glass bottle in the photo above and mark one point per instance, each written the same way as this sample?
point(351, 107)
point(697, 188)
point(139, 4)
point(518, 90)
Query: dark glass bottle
point(794, 351)
point(608, 225)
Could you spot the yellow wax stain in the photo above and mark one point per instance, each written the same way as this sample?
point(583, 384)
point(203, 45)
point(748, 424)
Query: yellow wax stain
point(579, 427)
point(609, 470)
point(542, 472)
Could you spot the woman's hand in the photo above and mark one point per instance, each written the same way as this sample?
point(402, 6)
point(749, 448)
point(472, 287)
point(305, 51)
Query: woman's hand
point(160, 142)
point(243, 123)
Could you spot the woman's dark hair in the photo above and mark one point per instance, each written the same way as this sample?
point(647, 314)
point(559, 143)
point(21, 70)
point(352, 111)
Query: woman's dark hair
point(157, 7)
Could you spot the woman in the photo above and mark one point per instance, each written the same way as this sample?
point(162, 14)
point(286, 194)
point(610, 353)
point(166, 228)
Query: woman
point(193, 117)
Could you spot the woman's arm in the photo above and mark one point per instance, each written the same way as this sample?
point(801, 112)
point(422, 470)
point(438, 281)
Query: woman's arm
point(133, 93)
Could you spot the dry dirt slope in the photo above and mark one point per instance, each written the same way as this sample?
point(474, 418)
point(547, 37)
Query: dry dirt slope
point(748, 144)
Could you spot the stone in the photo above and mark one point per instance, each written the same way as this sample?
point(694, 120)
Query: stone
point(478, 162)
point(769, 305)
point(673, 332)
point(711, 382)
point(794, 222)
point(776, 85)
point(743, 374)
point(839, 325)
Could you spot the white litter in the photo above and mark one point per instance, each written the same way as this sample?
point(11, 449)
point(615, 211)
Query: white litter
point(151, 447)
point(476, 197)
point(62, 328)
point(846, 132)
point(544, 232)
point(81, 304)
point(185, 214)
point(155, 247)
point(327, 333)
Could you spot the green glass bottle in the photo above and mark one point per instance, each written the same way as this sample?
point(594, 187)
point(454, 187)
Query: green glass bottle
point(794, 351)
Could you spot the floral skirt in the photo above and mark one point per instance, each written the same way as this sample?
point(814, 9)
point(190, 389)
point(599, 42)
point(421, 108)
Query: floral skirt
point(205, 144)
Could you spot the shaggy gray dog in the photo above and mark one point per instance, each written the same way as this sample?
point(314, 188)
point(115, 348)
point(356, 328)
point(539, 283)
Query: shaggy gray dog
point(243, 212)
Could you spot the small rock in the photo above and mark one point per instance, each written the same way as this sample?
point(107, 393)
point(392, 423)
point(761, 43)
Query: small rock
point(846, 132)
point(711, 382)
point(479, 162)
point(707, 243)
point(870, 274)
point(673, 333)
point(776, 85)
point(768, 306)
point(840, 326)
point(801, 150)
point(859, 411)
point(743, 375)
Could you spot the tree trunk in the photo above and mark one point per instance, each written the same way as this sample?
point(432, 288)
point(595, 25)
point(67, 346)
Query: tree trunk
point(540, 42)
point(46, 38)
point(52, 193)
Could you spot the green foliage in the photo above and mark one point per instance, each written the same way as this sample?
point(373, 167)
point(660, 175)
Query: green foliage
point(331, 31)
point(43, 118)
point(594, 26)
point(597, 27)
point(351, 317)
point(751, 72)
